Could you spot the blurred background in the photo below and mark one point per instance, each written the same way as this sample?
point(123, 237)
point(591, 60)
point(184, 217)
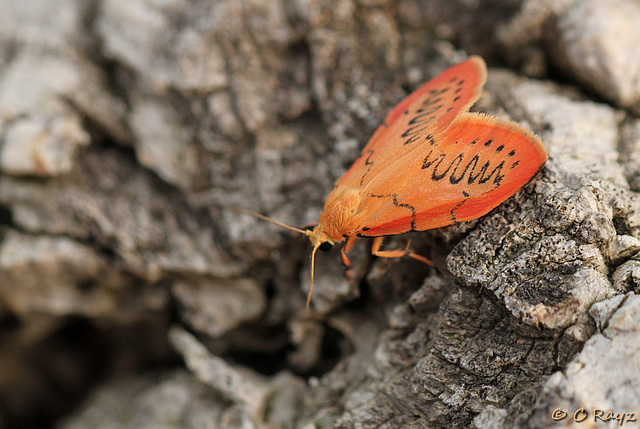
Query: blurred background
point(130, 296)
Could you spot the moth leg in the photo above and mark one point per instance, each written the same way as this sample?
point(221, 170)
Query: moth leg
point(377, 243)
point(348, 245)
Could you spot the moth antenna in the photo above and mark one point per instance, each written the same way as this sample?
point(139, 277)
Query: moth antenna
point(313, 269)
point(268, 219)
point(302, 231)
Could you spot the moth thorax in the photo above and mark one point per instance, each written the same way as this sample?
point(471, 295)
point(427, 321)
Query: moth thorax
point(338, 213)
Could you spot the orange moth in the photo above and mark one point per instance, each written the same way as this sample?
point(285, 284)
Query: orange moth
point(431, 163)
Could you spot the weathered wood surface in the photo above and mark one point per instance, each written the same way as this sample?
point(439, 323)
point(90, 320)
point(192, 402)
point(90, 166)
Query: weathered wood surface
point(130, 297)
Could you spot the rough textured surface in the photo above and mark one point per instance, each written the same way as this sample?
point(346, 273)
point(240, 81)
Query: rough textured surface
point(131, 296)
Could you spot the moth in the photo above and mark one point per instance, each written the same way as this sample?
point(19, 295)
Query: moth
point(430, 164)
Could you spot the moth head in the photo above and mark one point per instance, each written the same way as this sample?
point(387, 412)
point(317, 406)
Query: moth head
point(326, 246)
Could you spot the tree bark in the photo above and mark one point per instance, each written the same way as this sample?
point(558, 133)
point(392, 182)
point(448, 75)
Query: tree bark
point(129, 289)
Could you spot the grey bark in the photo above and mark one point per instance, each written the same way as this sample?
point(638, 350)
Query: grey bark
point(128, 289)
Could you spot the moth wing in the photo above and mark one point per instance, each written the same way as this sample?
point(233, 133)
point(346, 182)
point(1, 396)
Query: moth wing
point(417, 118)
point(466, 171)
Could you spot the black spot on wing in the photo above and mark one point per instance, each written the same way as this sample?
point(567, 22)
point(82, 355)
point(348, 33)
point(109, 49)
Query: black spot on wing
point(364, 229)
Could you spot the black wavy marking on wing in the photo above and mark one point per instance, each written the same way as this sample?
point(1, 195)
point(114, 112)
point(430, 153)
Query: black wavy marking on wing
point(452, 214)
point(394, 199)
point(368, 162)
point(419, 123)
point(481, 175)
